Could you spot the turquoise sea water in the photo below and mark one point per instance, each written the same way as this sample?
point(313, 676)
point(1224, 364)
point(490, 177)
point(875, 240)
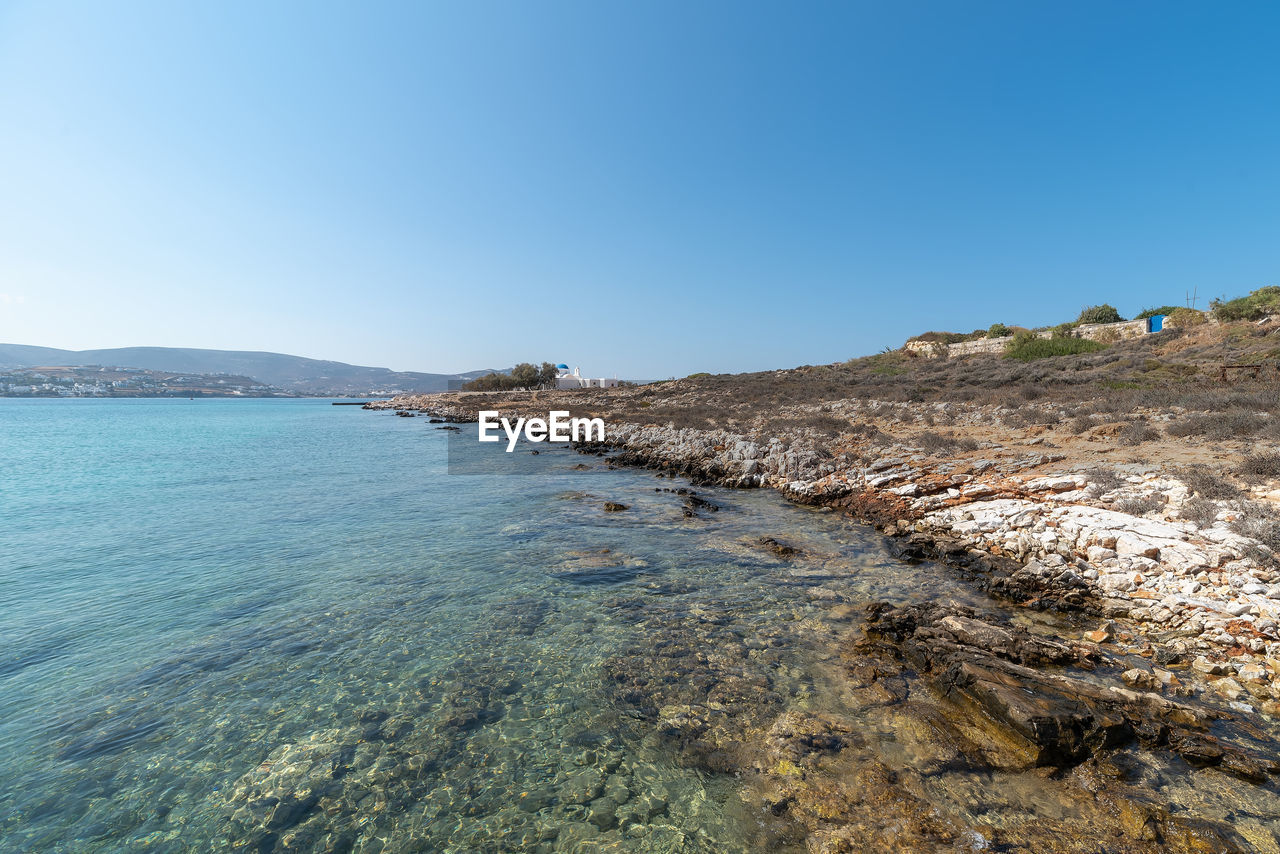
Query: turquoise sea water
point(209, 605)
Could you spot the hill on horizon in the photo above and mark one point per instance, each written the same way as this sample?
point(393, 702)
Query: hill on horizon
point(296, 374)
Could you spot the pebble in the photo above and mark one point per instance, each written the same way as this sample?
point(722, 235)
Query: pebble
point(1228, 687)
point(1209, 668)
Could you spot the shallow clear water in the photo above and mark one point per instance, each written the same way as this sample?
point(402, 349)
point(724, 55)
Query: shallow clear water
point(193, 587)
point(282, 626)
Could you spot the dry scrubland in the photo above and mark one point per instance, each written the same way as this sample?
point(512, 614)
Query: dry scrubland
point(1158, 399)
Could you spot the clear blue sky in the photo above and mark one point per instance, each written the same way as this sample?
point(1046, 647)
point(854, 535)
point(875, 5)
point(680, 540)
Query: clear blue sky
point(649, 189)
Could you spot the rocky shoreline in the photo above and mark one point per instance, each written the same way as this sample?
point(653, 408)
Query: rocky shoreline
point(1029, 523)
point(1184, 613)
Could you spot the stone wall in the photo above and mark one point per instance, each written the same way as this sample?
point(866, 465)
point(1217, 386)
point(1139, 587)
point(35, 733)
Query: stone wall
point(1104, 332)
point(928, 349)
point(980, 345)
point(1108, 332)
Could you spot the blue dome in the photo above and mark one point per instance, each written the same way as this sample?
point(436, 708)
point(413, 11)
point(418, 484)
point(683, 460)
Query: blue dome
point(562, 367)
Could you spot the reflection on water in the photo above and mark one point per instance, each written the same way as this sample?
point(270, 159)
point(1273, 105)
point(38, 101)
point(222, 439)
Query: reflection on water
point(361, 653)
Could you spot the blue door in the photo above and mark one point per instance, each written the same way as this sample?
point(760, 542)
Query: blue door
point(1155, 323)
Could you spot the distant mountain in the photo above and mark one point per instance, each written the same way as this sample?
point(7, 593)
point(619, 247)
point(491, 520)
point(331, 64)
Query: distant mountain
point(291, 373)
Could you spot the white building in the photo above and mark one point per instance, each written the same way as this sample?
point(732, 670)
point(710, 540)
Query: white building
point(567, 379)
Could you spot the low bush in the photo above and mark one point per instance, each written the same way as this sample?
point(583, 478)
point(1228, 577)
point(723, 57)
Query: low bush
point(1027, 348)
point(1141, 506)
point(999, 330)
point(1169, 370)
point(1255, 306)
point(1082, 424)
point(1104, 313)
point(1259, 467)
point(1137, 432)
point(1202, 511)
point(1182, 318)
point(871, 433)
point(1103, 480)
point(1166, 310)
point(942, 337)
point(937, 443)
point(1208, 483)
point(824, 423)
point(1227, 425)
point(1259, 521)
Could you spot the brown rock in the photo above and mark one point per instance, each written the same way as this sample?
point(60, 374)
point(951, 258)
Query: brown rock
point(779, 548)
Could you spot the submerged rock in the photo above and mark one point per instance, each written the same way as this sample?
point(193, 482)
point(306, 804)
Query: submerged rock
point(780, 549)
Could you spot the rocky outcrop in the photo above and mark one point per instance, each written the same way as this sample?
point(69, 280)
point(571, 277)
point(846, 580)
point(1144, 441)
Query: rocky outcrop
point(1033, 689)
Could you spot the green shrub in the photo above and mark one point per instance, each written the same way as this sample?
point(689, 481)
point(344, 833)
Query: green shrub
point(998, 330)
point(523, 375)
point(1255, 306)
point(1027, 347)
point(1104, 313)
point(1152, 312)
point(1063, 330)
